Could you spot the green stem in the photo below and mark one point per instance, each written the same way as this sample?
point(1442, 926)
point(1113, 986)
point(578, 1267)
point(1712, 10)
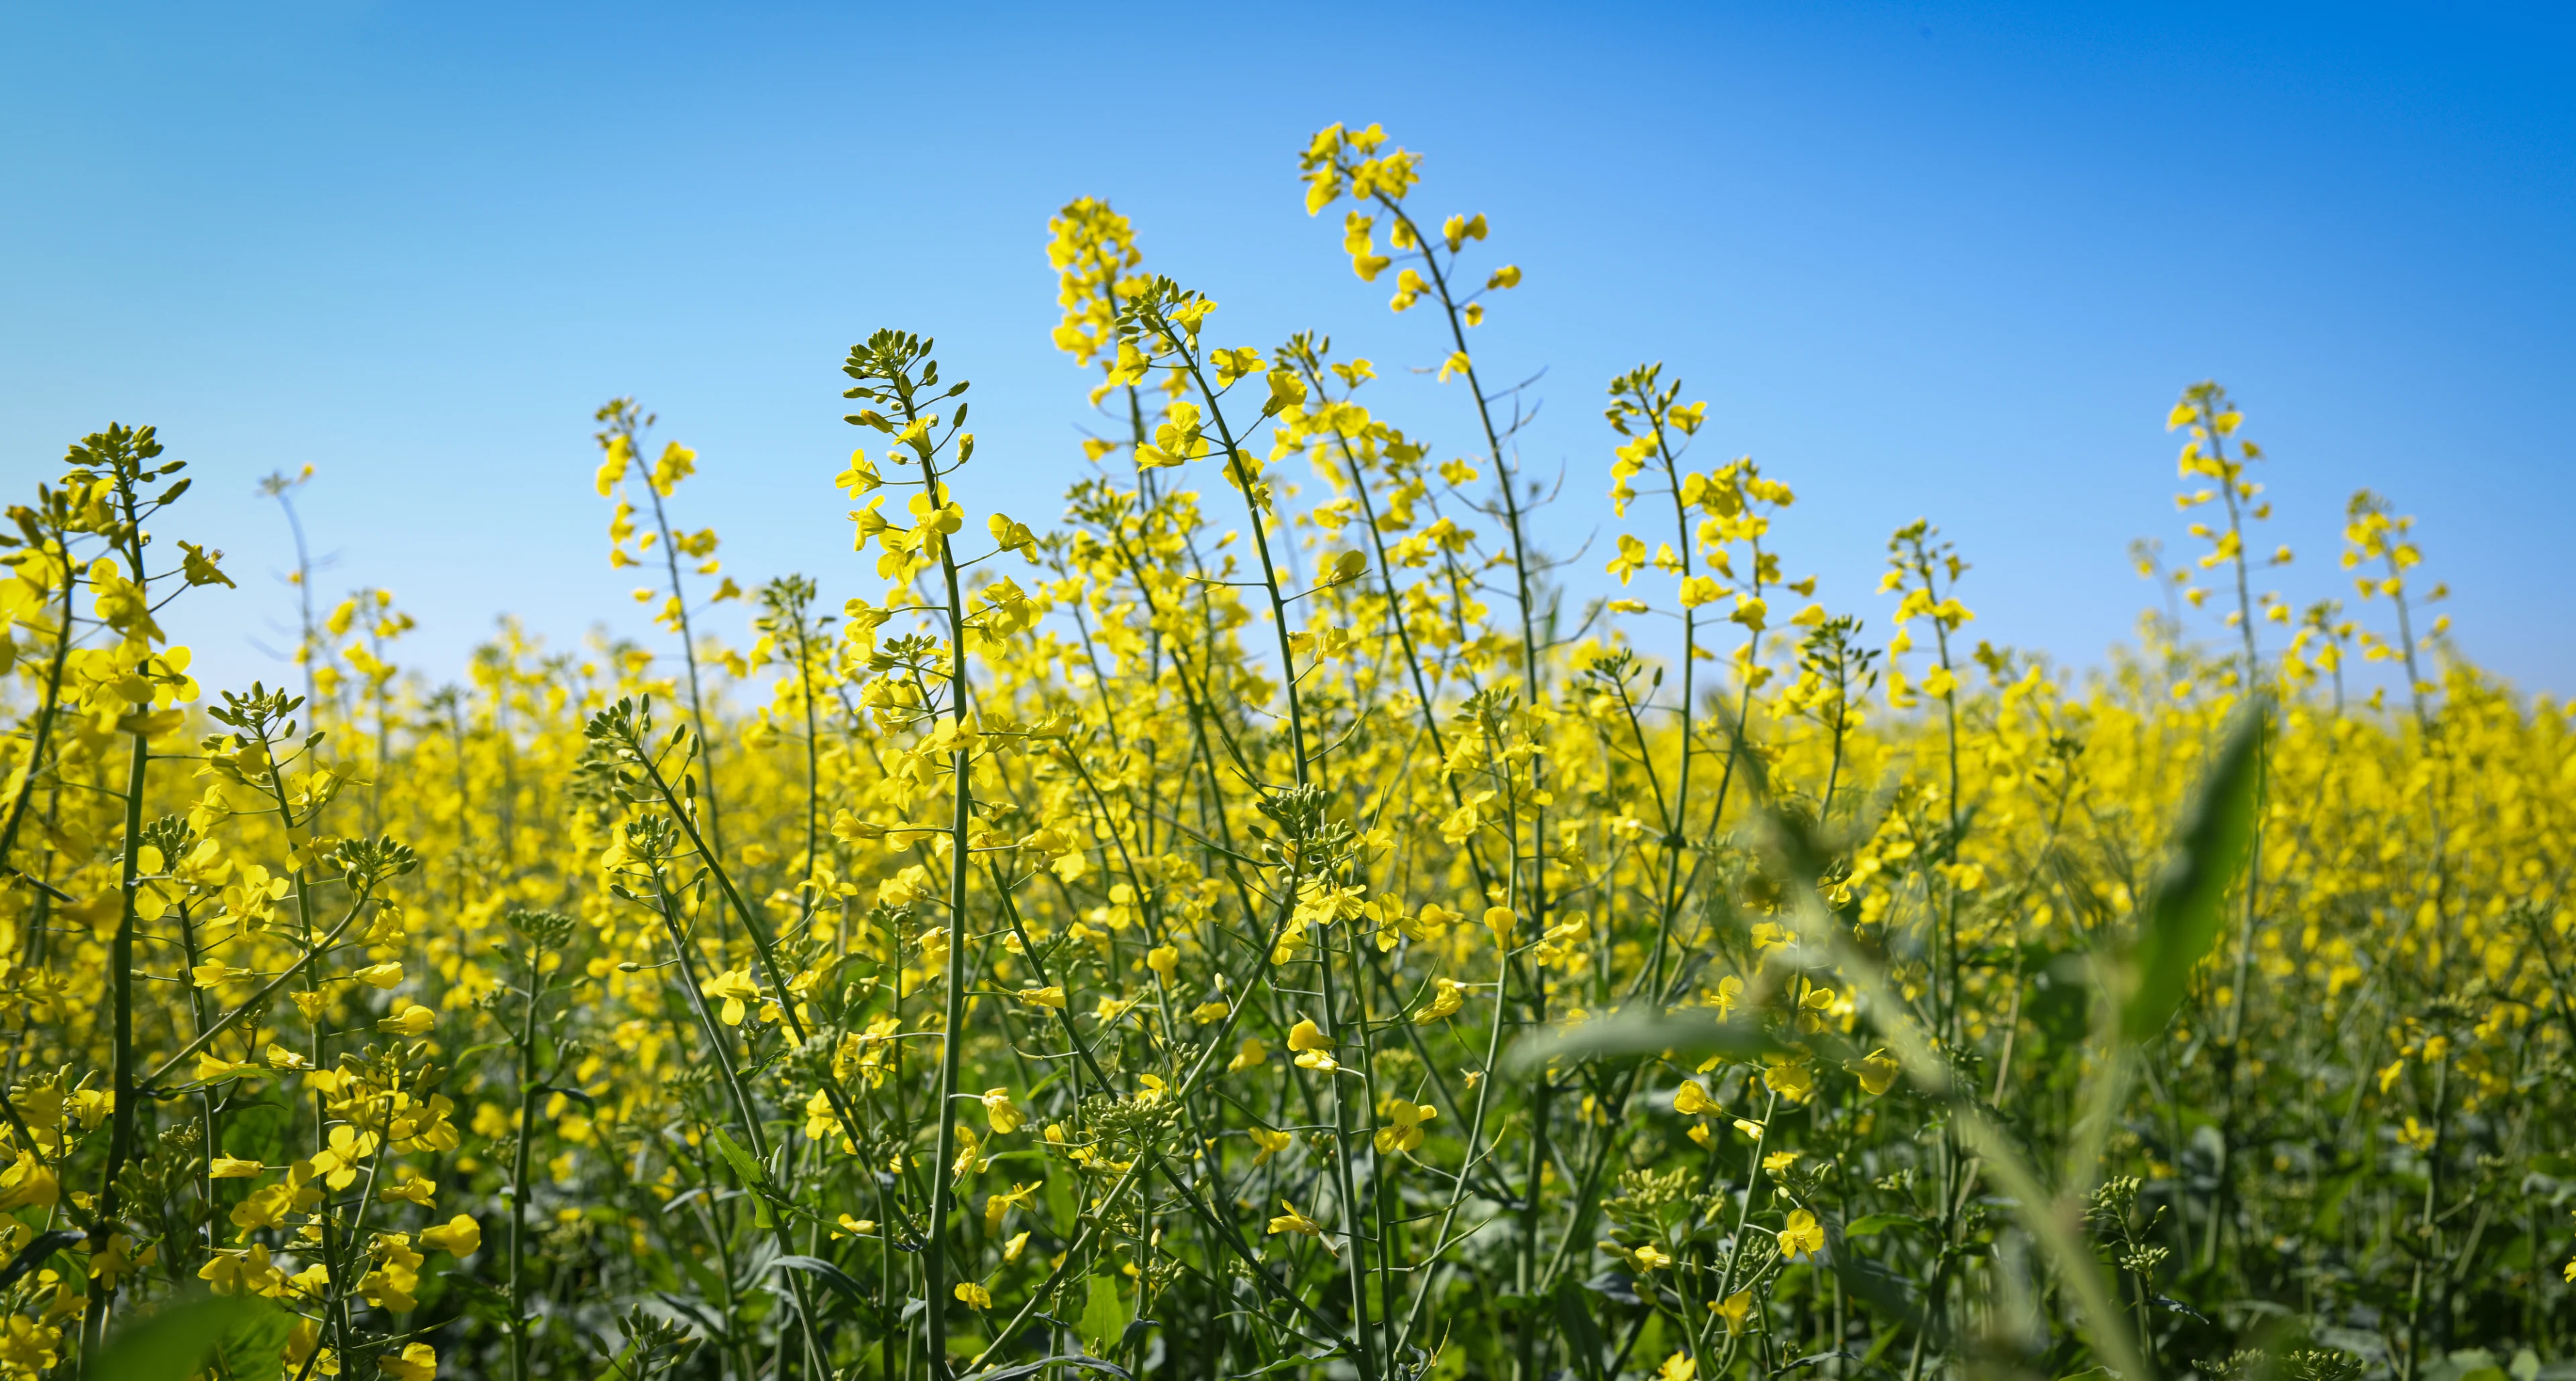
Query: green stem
point(519, 1168)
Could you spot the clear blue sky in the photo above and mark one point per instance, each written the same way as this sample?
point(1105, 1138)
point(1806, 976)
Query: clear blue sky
point(1921, 258)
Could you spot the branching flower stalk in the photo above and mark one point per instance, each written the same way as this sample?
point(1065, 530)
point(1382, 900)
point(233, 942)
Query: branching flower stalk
point(896, 370)
point(621, 456)
point(121, 455)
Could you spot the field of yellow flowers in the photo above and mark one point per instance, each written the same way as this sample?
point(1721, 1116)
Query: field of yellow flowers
point(1209, 934)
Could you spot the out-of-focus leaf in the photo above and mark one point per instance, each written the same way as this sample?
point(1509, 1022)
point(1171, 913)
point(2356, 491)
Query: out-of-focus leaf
point(173, 1344)
point(253, 1345)
point(2187, 909)
point(1615, 1285)
point(1894, 1296)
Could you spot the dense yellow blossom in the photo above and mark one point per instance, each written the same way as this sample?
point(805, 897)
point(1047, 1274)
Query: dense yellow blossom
point(678, 965)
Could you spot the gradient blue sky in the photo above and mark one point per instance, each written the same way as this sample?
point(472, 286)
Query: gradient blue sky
point(1950, 260)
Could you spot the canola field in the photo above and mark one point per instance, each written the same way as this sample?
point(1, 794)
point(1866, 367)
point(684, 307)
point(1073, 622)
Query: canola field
point(1209, 932)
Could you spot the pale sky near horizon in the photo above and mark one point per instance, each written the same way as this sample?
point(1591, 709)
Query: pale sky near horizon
point(1921, 258)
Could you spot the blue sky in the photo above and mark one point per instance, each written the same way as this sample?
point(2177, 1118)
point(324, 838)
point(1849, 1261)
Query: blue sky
point(1946, 260)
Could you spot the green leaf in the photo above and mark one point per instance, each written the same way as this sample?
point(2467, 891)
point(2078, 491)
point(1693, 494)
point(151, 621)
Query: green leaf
point(1574, 1321)
point(1059, 1197)
point(829, 1274)
point(253, 1347)
point(2187, 908)
point(1104, 1315)
point(747, 1169)
point(744, 1167)
point(1023, 1370)
point(1877, 1223)
point(2326, 1211)
point(173, 1344)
